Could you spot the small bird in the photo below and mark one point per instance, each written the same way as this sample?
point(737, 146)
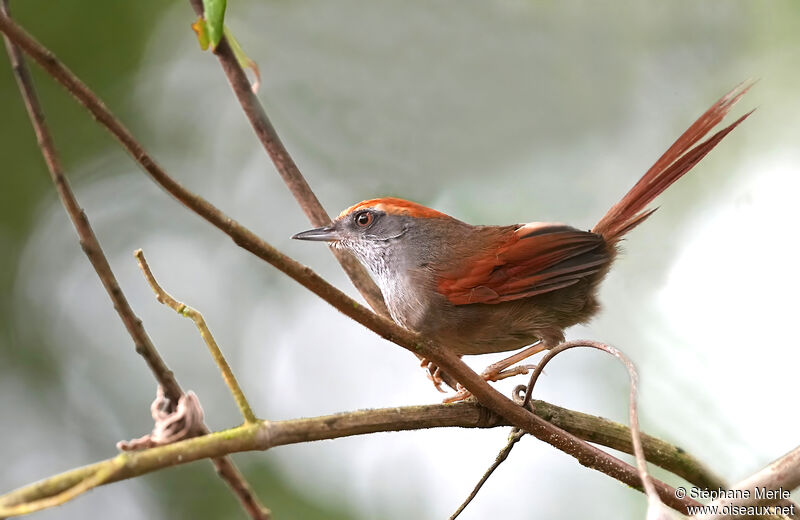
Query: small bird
point(482, 289)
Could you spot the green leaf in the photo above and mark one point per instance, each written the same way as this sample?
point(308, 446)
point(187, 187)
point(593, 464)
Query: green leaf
point(244, 60)
point(214, 13)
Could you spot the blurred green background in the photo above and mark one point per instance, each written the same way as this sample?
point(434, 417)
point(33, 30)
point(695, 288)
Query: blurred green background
point(494, 112)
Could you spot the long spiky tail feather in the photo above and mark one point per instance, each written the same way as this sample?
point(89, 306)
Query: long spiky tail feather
point(630, 211)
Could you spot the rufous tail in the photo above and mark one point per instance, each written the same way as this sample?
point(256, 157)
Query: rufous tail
point(681, 157)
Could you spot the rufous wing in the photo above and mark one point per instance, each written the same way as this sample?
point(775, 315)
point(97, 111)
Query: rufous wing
point(536, 259)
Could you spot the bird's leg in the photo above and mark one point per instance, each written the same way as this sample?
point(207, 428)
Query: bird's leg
point(500, 370)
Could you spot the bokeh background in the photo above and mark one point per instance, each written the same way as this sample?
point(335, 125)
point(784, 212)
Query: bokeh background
point(495, 112)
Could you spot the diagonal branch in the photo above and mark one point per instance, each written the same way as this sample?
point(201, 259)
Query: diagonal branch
point(287, 168)
point(91, 246)
point(585, 453)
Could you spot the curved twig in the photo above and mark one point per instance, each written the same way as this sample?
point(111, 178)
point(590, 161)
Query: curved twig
point(654, 503)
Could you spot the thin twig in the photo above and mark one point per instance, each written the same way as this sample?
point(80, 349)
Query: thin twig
point(287, 168)
point(513, 438)
point(181, 308)
point(655, 505)
point(91, 246)
point(585, 453)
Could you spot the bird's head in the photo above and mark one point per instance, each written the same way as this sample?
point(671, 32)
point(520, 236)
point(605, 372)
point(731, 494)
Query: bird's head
point(378, 231)
point(374, 221)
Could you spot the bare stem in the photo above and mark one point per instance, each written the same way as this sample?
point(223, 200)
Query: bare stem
point(513, 438)
point(184, 310)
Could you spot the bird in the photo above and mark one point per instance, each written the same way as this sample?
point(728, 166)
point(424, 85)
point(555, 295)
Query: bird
point(478, 289)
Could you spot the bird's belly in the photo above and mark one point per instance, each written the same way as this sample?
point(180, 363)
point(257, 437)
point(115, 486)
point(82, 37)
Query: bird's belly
point(486, 328)
point(483, 334)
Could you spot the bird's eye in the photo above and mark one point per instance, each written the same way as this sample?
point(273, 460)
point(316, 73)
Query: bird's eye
point(363, 218)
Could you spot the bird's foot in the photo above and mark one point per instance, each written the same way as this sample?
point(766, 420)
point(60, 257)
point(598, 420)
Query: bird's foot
point(491, 374)
point(461, 394)
point(501, 370)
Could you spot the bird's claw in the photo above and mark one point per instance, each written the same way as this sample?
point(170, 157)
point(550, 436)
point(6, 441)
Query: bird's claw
point(460, 395)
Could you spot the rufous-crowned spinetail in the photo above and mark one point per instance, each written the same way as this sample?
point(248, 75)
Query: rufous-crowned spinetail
point(482, 289)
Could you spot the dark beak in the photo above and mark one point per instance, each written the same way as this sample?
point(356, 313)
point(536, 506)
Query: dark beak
point(323, 234)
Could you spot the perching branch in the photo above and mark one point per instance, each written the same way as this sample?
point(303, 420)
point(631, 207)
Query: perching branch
point(586, 454)
point(265, 435)
point(181, 308)
point(91, 246)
